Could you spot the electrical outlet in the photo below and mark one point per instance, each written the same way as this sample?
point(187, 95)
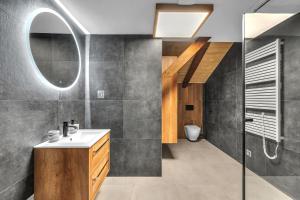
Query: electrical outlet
point(100, 94)
point(248, 153)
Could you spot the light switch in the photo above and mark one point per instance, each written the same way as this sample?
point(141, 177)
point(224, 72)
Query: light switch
point(100, 94)
point(248, 153)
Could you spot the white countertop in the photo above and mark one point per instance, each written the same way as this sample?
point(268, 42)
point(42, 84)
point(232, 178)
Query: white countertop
point(84, 138)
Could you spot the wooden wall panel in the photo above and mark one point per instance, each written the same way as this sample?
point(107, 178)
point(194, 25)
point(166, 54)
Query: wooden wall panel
point(191, 95)
point(169, 103)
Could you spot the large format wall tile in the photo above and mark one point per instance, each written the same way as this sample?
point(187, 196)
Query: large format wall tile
point(106, 48)
point(4, 19)
point(108, 114)
point(23, 125)
point(291, 125)
point(212, 111)
point(142, 79)
point(239, 84)
point(148, 158)
point(142, 119)
point(291, 68)
point(22, 189)
point(239, 147)
point(143, 48)
point(215, 84)
point(222, 104)
point(120, 156)
point(257, 161)
point(24, 7)
point(135, 157)
point(212, 131)
point(287, 164)
point(135, 109)
point(227, 116)
point(107, 76)
point(128, 69)
point(71, 110)
point(229, 87)
point(286, 184)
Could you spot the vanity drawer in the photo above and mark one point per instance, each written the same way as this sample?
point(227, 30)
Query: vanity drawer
point(99, 174)
point(98, 152)
point(98, 145)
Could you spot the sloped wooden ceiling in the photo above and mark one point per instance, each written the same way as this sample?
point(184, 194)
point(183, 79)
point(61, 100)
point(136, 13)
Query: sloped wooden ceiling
point(175, 48)
point(212, 58)
point(186, 56)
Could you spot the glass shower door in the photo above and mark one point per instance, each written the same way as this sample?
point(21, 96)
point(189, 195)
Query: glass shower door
point(271, 106)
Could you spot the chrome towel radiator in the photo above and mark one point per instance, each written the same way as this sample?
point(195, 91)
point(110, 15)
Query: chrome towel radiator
point(263, 93)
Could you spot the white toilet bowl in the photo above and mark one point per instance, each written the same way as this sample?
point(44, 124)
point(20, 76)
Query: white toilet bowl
point(192, 132)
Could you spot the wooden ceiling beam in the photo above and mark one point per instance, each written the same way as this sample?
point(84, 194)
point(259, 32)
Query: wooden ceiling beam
point(212, 58)
point(188, 54)
point(195, 63)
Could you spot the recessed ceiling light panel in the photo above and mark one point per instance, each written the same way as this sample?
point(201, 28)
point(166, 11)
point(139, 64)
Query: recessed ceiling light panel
point(179, 21)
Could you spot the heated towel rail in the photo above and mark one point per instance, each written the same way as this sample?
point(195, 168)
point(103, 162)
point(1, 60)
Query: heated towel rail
point(263, 92)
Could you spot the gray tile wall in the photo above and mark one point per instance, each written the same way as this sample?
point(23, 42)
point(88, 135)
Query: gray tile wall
point(28, 108)
point(223, 104)
point(128, 69)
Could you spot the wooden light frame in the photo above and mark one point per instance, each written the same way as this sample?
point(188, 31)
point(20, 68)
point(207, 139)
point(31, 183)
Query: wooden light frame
point(182, 8)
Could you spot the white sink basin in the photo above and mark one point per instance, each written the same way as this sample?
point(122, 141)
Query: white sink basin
point(84, 138)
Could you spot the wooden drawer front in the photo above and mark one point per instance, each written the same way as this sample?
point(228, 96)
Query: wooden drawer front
point(99, 153)
point(99, 174)
point(98, 145)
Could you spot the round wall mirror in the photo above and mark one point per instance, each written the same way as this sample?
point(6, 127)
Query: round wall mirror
point(54, 49)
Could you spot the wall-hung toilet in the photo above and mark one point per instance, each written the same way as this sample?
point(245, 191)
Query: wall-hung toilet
point(192, 132)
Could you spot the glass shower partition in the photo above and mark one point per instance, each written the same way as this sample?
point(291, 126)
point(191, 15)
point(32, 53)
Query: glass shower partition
point(271, 58)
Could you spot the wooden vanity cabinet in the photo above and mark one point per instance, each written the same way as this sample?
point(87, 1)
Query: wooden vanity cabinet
point(71, 173)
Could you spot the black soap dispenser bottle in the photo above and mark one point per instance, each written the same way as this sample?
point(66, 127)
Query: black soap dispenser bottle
point(65, 129)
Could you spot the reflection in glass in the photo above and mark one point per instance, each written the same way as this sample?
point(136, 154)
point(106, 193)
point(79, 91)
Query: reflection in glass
point(278, 177)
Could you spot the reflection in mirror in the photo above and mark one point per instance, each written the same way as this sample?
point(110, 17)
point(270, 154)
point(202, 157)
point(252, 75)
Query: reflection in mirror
point(272, 77)
point(54, 49)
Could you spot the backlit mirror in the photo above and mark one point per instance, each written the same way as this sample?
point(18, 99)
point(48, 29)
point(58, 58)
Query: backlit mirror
point(54, 49)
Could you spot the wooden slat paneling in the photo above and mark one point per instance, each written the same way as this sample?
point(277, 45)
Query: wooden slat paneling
point(191, 95)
